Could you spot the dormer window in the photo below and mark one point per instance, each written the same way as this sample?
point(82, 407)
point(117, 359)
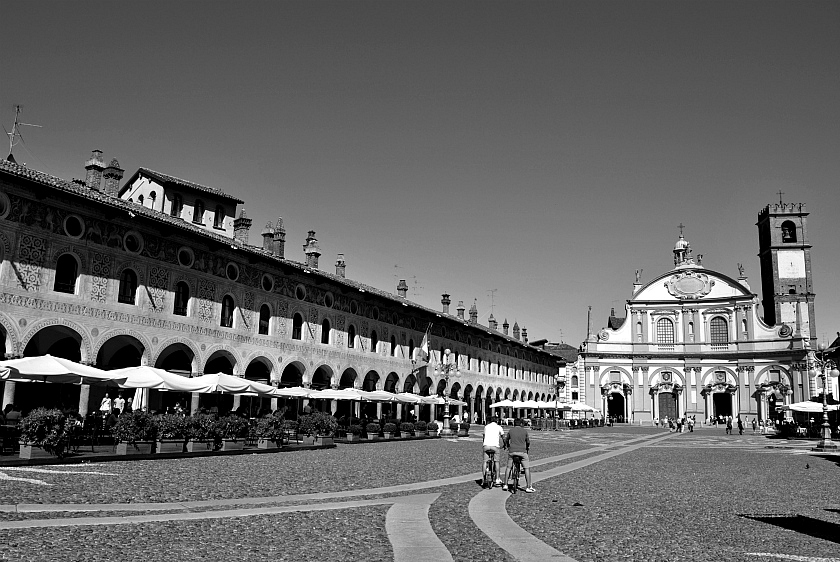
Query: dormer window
point(198, 212)
point(177, 205)
point(140, 200)
point(219, 217)
point(152, 198)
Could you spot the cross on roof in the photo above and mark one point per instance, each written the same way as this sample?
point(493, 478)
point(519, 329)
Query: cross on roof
point(681, 225)
point(780, 196)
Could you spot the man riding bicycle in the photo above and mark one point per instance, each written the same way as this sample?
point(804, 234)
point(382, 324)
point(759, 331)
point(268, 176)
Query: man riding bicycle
point(518, 443)
point(493, 435)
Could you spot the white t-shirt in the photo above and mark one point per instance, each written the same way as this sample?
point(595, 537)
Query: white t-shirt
point(493, 433)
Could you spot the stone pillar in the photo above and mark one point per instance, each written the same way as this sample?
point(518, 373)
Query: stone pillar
point(237, 402)
point(194, 403)
point(274, 403)
point(379, 410)
point(84, 399)
point(9, 393)
point(333, 406)
point(417, 412)
point(399, 411)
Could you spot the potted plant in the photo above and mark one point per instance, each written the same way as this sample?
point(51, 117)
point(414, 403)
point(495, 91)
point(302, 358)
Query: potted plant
point(388, 430)
point(463, 429)
point(406, 429)
point(318, 427)
point(44, 433)
point(420, 428)
point(135, 433)
point(269, 432)
point(232, 430)
point(172, 433)
point(354, 432)
point(201, 432)
point(432, 428)
point(372, 430)
point(290, 430)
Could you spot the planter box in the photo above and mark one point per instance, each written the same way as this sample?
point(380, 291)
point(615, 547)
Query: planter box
point(386, 435)
point(307, 439)
point(419, 433)
point(371, 437)
point(195, 446)
point(352, 437)
point(170, 446)
point(463, 433)
point(322, 440)
point(138, 448)
point(33, 452)
point(233, 444)
point(267, 444)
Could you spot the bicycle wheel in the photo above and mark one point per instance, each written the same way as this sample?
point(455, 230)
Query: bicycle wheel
point(515, 476)
point(486, 481)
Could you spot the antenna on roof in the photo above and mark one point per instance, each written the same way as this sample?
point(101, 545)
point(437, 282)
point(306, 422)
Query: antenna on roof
point(15, 134)
point(492, 300)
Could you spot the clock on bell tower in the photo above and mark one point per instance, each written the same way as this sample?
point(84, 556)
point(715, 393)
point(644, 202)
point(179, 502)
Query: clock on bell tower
point(785, 256)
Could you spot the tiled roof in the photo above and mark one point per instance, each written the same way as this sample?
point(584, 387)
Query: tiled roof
point(614, 322)
point(178, 182)
point(80, 190)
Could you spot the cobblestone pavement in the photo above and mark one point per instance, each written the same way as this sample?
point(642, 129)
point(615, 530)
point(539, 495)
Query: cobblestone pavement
point(622, 493)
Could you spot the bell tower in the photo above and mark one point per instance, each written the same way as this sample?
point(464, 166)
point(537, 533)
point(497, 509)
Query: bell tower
point(785, 255)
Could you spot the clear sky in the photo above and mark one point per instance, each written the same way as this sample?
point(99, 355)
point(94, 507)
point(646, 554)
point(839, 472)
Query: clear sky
point(546, 150)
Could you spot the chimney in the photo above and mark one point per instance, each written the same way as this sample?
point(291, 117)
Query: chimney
point(516, 329)
point(492, 322)
point(474, 314)
point(460, 308)
point(505, 327)
point(402, 288)
point(113, 174)
point(445, 302)
point(525, 334)
point(312, 251)
point(340, 265)
point(279, 246)
point(241, 226)
point(268, 237)
point(94, 168)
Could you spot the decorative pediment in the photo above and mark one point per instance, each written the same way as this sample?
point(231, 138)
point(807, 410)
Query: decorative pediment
point(619, 387)
point(689, 285)
point(674, 388)
point(719, 387)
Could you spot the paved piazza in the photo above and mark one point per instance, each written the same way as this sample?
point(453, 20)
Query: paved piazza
point(602, 494)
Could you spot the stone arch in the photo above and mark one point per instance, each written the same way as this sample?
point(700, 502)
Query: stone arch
point(10, 341)
point(392, 382)
point(84, 348)
point(234, 355)
point(440, 388)
point(371, 381)
point(214, 362)
point(293, 372)
point(259, 368)
point(274, 368)
point(117, 351)
point(409, 383)
point(454, 391)
point(321, 377)
point(165, 347)
point(515, 395)
point(135, 267)
point(468, 396)
point(708, 376)
point(68, 249)
point(626, 376)
point(145, 357)
point(653, 378)
point(349, 379)
point(765, 373)
point(426, 390)
point(507, 393)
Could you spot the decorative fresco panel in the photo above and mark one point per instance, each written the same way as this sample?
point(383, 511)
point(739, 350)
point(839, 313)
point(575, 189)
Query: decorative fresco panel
point(100, 273)
point(31, 253)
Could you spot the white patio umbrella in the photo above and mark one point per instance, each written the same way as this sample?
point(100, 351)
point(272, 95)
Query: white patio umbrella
point(578, 407)
point(533, 404)
point(152, 377)
point(382, 396)
point(807, 407)
point(291, 392)
point(503, 404)
point(47, 368)
point(221, 382)
point(336, 394)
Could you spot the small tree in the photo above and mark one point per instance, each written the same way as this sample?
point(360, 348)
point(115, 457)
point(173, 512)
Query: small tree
point(202, 427)
point(135, 426)
point(318, 423)
point(232, 427)
point(172, 426)
point(48, 429)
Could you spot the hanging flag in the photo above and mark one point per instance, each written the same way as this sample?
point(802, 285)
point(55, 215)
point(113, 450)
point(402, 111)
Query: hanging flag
point(424, 346)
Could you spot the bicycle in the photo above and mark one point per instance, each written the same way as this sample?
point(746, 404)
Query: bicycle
point(515, 473)
point(489, 470)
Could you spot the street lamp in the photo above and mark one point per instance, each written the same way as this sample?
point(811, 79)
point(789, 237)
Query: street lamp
point(447, 368)
point(824, 368)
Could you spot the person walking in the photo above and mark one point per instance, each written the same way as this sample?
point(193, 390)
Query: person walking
point(754, 424)
point(729, 425)
point(740, 426)
point(691, 424)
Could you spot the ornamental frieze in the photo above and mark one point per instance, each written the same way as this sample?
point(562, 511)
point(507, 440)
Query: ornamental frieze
point(689, 285)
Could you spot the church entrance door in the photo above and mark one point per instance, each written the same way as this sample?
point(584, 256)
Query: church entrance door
point(615, 407)
point(667, 406)
point(722, 403)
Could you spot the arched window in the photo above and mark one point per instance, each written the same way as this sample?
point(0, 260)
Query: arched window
point(744, 327)
point(265, 317)
point(152, 198)
point(665, 332)
point(66, 272)
point(374, 341)
point(140, 200)
point(351, 337)
point(219, 217)
point(638, 331)
point(128, 287)
point(691, 331)
point(411, 349)
point(177, 205)
point(297, 327)
point(182, 298)
point(393, 346)
point(788, 231)
point(325, 331)
point(227, 312)
point(198, 212)
point(574, 381)
point(719, 332)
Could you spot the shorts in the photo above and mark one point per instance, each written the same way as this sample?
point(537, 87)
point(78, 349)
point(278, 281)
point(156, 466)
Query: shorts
point(494, 449)
point(523, 456)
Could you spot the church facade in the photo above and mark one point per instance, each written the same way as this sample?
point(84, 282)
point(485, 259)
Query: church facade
point(160, 271)
point(696, 342)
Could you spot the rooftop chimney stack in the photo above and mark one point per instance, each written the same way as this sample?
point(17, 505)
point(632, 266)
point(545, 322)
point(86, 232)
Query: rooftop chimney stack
point(241, 227)
point(505, 327)
point(525, 334)
point(474, 314)
point(340, 266)
point(279, 246)
point(460, 309)
point(402, 288)
point(268, 238)
point(492, 322)
point(312, 251)
point(516, 329)
point(445, 302)
point(94, 167)
point(113, 174)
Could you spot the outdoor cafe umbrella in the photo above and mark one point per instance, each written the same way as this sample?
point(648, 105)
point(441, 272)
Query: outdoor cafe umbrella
point(336, 394)
point(47, 368)
point(383, 396)
point(807, 407)
point(144, 376)
point(503, 404)
point(291, 392)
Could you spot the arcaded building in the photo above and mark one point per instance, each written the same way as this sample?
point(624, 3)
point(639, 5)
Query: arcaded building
point(158, 270)
point(699, 342)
